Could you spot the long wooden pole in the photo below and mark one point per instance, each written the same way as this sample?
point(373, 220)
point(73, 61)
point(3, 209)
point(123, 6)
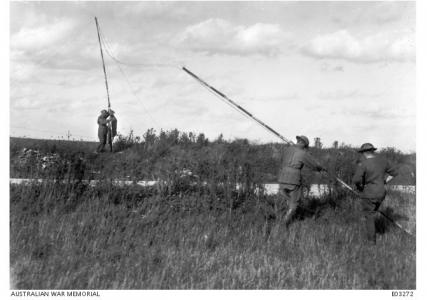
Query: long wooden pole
point(204, 83)
point(222, 95)
point(103, 63)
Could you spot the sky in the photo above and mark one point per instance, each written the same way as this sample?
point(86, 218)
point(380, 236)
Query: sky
point(341, 71)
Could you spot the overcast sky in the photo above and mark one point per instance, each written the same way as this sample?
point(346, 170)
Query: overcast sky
point(336, 70)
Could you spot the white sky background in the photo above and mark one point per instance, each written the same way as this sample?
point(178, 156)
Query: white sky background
point(338, 71)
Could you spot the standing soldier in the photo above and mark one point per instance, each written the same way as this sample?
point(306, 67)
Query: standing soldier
point(294, 158)
point(102, 130)
point(112, 128)
point(369, 179)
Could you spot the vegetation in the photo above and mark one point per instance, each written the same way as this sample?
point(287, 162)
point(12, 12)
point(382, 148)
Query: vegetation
point(162, 156)
point(72, 236)
point(206, 225)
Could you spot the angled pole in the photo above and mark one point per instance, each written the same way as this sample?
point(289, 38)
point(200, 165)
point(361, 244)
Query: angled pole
point(234, 104)
point(103, 63)
point(383, 214)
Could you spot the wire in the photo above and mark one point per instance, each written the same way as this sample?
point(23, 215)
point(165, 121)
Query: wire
point(113, 57)
point(108, 49)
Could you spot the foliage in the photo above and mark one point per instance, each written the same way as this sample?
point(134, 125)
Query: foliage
point(206, 225)
point(160, 156)
point(73, 236)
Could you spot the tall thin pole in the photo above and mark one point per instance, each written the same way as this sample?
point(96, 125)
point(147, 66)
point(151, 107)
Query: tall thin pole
point(236, 105)
point(103, 63)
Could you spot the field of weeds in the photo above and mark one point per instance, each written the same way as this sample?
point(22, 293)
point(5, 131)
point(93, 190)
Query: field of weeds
point(206, 225)
point(73, 236)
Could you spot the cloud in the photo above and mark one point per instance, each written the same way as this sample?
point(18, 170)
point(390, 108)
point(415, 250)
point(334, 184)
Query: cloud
point(376, 13)
point(38, 38)
point(379, 112)
point(391, 46)
point(343, 94)
point(153, 9)
point(57, 44)
point(390, 11)
point(325, 67)
point(220, 36)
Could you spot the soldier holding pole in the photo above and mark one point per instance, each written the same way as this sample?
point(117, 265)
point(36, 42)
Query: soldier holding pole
point(294, 158)
point(102, 130)
point(369, 179)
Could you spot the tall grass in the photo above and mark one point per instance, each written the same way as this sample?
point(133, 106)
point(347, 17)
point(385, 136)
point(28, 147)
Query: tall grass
point(72, 236)
point(206, 225)
point(159, 156)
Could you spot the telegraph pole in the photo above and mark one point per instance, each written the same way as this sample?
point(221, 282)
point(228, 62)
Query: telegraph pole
point(103, 63)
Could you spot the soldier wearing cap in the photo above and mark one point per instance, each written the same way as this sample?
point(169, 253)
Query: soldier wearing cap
point(369, 179)
point(102, 130)
point(294, 158)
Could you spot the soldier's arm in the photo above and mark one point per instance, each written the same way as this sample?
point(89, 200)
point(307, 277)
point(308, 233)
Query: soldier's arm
point(358, 177)
point(102, 121)
point(392, 170)
point(312, 163)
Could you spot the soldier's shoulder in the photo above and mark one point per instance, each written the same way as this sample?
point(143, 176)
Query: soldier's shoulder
point(381, 159)
point(301, 152)
point(361, 162)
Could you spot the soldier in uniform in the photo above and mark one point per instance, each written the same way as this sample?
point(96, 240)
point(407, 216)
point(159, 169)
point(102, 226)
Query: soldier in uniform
point(294, 158)
point(112, 128)
point(102, 130)
point(369, 179)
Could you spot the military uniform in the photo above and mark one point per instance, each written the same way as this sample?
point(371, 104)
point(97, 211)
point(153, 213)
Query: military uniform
point(294, 158)
point(369, 179)
point(112, 130)
point(102, 132)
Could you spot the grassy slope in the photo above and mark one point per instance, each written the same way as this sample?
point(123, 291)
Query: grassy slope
point(258, 163)
point(71, 237)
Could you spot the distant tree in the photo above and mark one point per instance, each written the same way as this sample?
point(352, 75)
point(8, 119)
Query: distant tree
point(220, 139)
point(335, 145)
point(317, 143)
point(202, 140)
point(184, 139)
point(149, 136)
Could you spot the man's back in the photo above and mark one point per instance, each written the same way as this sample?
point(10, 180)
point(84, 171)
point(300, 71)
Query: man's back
point(294, 158)
point(102, 121)
point(370, 176)
point(113, 122)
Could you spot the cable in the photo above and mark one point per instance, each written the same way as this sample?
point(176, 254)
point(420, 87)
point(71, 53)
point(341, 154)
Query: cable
point(108, 51)
point(127, 79)
point(155, 65)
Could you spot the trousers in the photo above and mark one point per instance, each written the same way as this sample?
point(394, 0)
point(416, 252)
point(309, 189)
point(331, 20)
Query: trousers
point(110, 138)
point(102, 136)
point(369, 214)
point(292, 195)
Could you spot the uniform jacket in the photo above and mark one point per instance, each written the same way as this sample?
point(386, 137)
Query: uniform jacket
point(113, 123)
point(369, 177)
point(294, 158)
point(102, 126)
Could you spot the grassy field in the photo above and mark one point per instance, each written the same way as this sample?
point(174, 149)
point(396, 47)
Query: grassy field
point(72, 236)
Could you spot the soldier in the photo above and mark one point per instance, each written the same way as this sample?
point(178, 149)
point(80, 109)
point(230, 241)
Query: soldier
point(294, 158)
point(112, 128)
point(369, 179)
point(102, 130)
